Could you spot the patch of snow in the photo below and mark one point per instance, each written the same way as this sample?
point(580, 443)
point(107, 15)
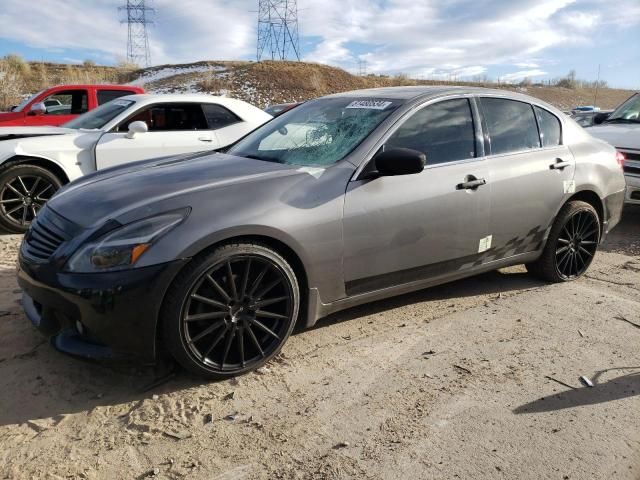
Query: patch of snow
point(166, 72)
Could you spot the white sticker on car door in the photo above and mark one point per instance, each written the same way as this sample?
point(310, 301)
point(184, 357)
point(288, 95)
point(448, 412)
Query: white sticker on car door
point(485, 244)
point(569, 186)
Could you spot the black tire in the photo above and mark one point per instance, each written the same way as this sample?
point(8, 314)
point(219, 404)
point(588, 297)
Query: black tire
point(571, 246)
point(24, 189)
point(218, 329)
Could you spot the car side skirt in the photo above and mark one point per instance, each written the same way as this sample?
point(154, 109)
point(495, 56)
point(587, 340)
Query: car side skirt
point(317, 309)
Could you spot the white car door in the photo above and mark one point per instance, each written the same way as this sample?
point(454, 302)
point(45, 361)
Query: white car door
point(173, 129)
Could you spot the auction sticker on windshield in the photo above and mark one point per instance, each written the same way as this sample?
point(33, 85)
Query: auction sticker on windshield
point(370, 104)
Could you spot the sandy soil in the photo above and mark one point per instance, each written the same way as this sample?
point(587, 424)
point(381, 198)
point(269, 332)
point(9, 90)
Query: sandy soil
point(452, 382)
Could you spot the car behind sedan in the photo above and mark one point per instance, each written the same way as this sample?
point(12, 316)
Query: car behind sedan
point(36, 161)
point(343, 200)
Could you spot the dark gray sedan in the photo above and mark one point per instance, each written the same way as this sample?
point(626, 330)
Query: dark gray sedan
point(343, 200)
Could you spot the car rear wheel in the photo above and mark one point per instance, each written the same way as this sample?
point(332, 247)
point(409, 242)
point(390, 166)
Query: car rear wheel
point(231, 311)
point(571, 245)
point(24, 189)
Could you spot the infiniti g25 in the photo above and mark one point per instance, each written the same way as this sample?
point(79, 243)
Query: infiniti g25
point(343, 200)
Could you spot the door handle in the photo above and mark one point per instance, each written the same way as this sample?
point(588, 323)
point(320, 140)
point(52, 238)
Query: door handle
point(205, 139)
point(559, 164)
point(471, 184)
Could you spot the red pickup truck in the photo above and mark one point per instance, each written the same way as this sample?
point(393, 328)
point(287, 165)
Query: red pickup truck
point(57, 105)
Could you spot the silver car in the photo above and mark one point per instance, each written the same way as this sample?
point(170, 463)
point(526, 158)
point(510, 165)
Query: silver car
point(343, 200)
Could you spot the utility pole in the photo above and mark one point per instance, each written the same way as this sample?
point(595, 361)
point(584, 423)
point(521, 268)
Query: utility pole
point(595, 98)
point(138, 17)
point(278, 30)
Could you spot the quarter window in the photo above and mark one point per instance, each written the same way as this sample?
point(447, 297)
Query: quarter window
point(550, 130)
point(218, 117)
point(443, 132)
point(511, 124)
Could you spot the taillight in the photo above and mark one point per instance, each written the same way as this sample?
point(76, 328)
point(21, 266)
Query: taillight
point(620, 159)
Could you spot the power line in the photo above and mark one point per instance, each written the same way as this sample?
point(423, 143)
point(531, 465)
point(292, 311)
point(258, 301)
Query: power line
point(278, 30)
point(138, 17)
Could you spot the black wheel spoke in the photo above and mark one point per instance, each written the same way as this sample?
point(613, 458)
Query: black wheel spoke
point(227, 345)
point(585, 251)
point(205, 316)
point(269, 301)
point(232, 282)
point(245, 278)
point(268, 288)
point(215, 342)
point(14, 190)
point(258, 279)
point(240, 338)
point(277, 316)
point(206, 331)
point(11, 200)
point(218, 288)
point(209, 301)
point(264, 328)
point(255, 341)
point(15, 209)
point(563, 249)
point(564, 241)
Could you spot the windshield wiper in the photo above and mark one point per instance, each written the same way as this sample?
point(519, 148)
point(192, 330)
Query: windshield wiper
point(265, 159)
point(621, 120)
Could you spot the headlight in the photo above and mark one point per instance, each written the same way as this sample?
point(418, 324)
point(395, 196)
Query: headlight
point(121, 248)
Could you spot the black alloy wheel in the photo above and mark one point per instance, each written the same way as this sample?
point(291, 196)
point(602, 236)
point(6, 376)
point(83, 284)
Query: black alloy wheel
point(577, 244)
point(24, 189)
point(571, 245)
point(238, 307)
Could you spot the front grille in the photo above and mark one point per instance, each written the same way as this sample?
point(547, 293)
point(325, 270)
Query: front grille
point(43, 238)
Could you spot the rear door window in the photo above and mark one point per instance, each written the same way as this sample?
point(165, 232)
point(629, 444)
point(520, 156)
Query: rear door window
point(512, 125)
point(550, 129)
point(443, 131)
point(105, 96)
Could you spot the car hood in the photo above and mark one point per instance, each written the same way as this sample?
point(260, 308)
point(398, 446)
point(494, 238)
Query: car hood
point(620, 135)
point(11, 133)
point(110, 193)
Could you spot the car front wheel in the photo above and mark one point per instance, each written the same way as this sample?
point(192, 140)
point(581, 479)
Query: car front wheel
point(571, 246)
point(24, 189)
point(231, 311)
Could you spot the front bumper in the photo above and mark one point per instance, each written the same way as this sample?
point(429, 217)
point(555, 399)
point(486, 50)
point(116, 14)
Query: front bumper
point(99, 316)
point(633, 189)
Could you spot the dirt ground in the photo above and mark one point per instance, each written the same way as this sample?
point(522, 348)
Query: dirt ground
point(475, 379)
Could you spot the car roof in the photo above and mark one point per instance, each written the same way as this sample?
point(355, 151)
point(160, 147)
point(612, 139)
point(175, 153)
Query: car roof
point(418, 91)
point(422, 92)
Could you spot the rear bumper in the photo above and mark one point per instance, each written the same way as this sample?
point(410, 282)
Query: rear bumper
point(633, 189)
point(612, 211)
point(105, 316)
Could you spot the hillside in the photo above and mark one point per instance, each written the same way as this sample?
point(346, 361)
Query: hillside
point(262, 83)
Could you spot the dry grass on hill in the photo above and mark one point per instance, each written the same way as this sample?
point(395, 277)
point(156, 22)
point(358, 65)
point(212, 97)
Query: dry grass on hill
point(261, 83)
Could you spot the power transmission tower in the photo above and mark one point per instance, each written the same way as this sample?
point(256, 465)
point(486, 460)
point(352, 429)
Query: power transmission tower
point(362, 68)
point(278, 30)
point(138, 17)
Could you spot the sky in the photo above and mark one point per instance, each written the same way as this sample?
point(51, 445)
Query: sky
point(507, 40)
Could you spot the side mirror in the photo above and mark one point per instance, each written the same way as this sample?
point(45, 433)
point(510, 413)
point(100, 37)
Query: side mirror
point(599, 118)
point(399, 161)
point(13, 107)
point(38, 108)
point(136, 127)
